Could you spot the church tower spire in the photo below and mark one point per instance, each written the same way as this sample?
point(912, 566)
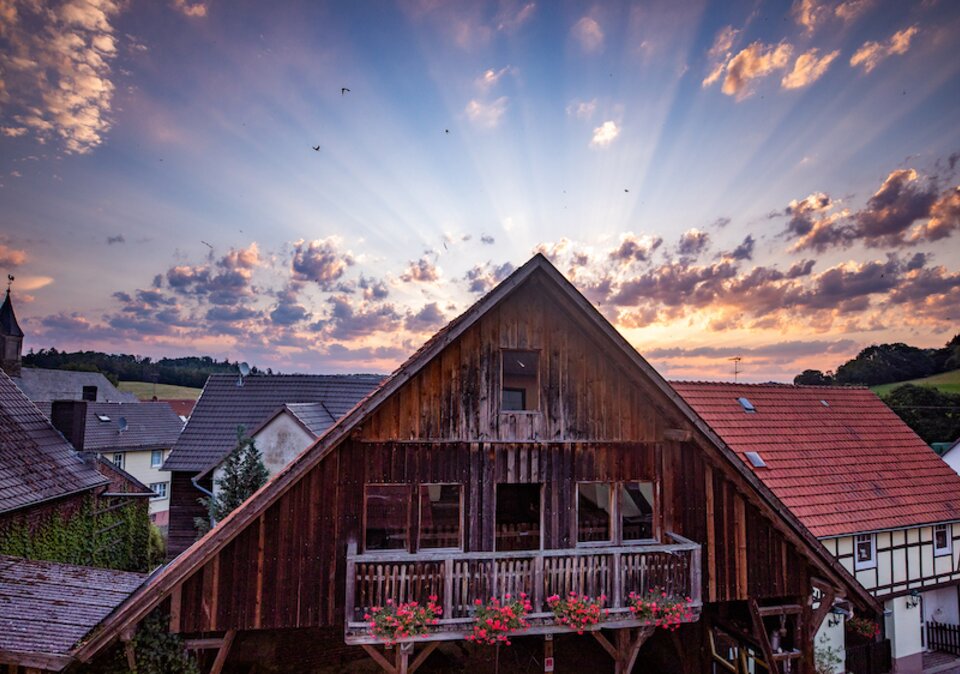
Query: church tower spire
point(11, 336)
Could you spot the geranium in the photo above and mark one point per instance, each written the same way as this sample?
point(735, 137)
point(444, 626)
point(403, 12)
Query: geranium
point(864, 627)
point(494, 621)
point(658, 608)
point(397, 622)
point(577, 611)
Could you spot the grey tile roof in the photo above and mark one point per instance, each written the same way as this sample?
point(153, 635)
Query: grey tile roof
point(314, 416)
point(149, 426)
point(44, 386)
point(211, 432)
point(36, 463)
point(47, 607)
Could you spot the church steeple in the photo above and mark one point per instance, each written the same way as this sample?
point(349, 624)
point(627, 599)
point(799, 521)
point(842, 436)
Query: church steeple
point(11, 336)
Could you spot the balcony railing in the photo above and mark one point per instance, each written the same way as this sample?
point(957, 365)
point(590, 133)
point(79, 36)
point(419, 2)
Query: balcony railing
point(460, 578)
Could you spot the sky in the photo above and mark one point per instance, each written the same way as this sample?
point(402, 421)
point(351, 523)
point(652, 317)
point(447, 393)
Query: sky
point(319, 186)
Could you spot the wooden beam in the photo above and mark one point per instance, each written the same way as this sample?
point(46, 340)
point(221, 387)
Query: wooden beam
point(760, 634)
point(607, 646)
point(403, 658)
point(223, 652)
point(203, 644)
point(424, 654)
point(377, 657)
point(176, 597)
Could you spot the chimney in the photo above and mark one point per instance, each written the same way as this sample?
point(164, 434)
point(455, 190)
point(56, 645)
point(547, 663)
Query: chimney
point(70, 418)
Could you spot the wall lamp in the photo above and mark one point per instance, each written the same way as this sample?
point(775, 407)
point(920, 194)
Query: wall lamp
point(837, 613)
point(913, 600)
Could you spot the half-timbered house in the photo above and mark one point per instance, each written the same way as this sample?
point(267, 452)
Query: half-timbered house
point(881, 501)
point(527, 447)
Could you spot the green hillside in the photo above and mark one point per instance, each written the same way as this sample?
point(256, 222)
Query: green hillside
point(146, 390)
point(948, 382)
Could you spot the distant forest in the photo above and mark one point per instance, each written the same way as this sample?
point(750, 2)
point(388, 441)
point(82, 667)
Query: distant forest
point(191, 371)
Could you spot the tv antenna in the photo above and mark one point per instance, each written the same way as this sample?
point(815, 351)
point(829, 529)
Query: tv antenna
point(736, 366)
point(244, 371)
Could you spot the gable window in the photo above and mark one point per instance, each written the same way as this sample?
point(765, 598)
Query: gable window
point(941, 539)
point(593, 512)
point(386, 517)
point(520, 381)
point(636, 511)
point(118, 460)
point(156, 458)
point(159, 489)
point(864, 552)
point(440, 516)
point(518, 517)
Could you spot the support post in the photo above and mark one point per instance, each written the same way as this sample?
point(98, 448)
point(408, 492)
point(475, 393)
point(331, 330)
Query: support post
point(223, 651)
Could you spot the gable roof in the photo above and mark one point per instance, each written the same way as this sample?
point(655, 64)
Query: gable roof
point(149, 426)
point(8, 319)
point(142, 602)
point(44, 386)
point(36, 463)
point(315, 418)
point(839, 458)
point(47, 607)
point(211, 432)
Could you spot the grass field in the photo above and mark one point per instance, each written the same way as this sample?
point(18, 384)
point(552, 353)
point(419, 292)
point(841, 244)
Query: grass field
point(948, 382)
point(145, 390)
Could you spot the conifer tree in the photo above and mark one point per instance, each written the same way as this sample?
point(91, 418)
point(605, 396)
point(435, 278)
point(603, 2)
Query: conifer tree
point(243, 474)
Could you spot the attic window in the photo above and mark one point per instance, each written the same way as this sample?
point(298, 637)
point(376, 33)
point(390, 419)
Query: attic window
point(747, 405)
point(520, 389)
point(756, 460)
point(103, 417)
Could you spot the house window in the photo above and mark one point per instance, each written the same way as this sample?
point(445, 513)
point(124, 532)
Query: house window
point(440, 516)
point(593, 512)
point(89, 393)
point(636, 511)
point(156, 458)
point(941, 539)
point(520, 372)
point(864, 552)
point(518, 517)
point(118, 460)
point(387, 522)
point(159, 489)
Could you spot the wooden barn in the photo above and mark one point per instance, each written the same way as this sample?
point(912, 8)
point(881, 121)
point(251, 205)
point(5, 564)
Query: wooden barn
point(527, 447)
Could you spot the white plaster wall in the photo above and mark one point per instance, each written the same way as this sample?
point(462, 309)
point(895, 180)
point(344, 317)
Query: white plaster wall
point(953, 459)
point(138, 465)
point(832, 637)
point(279, 442)
point(941, 606)
point(903, 627)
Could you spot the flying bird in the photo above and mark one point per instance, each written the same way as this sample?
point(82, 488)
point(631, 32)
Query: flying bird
point(344, 90)
point(625, 189)
point(210, 246)
point(316, 148)
point(446, 130)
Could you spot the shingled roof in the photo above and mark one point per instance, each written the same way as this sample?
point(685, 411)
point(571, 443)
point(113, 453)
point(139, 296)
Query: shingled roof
point(314, 417)
point(211, 432)
point(47, 607)
point(839, 458)
point(43, 386)
point(149, 426)
point(36, 463)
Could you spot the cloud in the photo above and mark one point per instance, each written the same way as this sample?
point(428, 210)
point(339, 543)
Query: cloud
point(422, 270)
point(13, 131)
point(11, 257)
point(635, 248)
point(347, 323)
point(605, 134)
point(744, 251)
point(588, 33)
point(429, 318)
point(373, 289)
point(57, 71)
point(754, 62)
point(944, 217)
point(64, 322)
point(851, 9)
point(486, 115)
point(482, 277)
point(513, 15)
point(692, 243)
point(807, 69)
point(491, 77)
point(809, 13)
point(33, 282)
point(226, 282)
point(288, 310)
point(719, 53)
point(193, 9)
point(582, 109)
point(115, 239)
point(901, 200)
point(871, 54)
point(720, 222)
point(487, 239)
point(320, 261)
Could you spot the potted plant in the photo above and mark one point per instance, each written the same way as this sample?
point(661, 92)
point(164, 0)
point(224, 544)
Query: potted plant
point(577, 611)
point(864, 627)
point(495, 621)
point(399, 622)
point(659, 608)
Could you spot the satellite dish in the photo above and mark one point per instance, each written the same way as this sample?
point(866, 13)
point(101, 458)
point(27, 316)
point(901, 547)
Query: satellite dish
point(244, 369)
point(122, 423)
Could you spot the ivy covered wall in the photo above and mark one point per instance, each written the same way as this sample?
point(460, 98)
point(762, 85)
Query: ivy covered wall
point(112, 534)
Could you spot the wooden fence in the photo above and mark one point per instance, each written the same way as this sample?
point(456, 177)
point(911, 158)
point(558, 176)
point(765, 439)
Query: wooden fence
point(943, 637)
point(871, 658)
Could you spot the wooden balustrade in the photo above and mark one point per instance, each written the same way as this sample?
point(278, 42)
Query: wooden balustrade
point(458, 579)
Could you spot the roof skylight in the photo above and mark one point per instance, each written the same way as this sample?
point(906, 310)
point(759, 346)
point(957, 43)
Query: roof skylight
point(103, 417)
point(755, 459)
point(746, 405)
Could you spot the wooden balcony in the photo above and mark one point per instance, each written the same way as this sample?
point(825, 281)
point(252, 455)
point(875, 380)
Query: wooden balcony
point(459, 578)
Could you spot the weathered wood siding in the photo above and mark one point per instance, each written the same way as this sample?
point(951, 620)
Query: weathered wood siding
point(184, 507)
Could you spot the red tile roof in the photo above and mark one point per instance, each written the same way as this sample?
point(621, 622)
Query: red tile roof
point(850, 465)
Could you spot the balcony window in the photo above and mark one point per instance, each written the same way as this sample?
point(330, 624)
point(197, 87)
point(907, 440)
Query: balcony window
point(593, 512)
point(636, 511)
point(440, 516)
point(387, 521)
point(520, 372)
point(941, 539)
point(864, 552)
point(518, 517)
